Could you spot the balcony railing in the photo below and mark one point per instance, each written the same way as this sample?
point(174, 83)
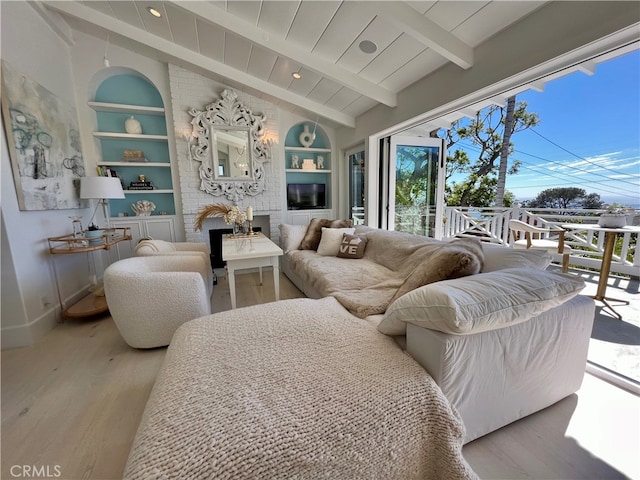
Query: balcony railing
point(491, 224)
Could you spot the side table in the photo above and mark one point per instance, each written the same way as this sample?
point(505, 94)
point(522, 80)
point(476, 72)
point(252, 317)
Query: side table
point(68, 244)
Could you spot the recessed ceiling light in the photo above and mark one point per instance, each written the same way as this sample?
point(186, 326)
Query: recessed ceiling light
point(154, 12)
point(296, 75)
point(367, 46)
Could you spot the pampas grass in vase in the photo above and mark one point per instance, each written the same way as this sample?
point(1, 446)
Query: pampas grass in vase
point(213, 210)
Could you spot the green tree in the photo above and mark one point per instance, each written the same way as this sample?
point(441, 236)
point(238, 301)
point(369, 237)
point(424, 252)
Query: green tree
point(565, 197)
point(486, 131)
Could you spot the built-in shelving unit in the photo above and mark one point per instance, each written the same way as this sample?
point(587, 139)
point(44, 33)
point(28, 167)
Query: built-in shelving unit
point(320, 148)
point(117, 99)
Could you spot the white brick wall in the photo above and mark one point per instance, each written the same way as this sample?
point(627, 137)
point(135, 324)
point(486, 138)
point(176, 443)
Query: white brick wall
point(190, 90)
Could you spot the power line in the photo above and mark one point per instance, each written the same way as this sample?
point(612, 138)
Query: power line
point(473, 147)
point(632, 195)
point(540, 170)
point(571, 153)
point(578, 168)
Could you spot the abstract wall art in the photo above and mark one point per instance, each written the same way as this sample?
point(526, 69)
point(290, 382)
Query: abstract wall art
point(44, 144)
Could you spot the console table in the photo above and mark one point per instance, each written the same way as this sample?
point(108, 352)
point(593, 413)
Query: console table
point(250, 251)
point(68, 244)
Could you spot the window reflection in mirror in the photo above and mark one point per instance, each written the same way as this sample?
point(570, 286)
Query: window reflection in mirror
point(233, 153)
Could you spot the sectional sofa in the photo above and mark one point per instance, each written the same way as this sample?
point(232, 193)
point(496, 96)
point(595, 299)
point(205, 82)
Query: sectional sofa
point(503, 340)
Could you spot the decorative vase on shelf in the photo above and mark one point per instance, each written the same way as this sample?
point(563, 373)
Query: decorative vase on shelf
point(306, 137)
point(131, 125)
point(94, 236)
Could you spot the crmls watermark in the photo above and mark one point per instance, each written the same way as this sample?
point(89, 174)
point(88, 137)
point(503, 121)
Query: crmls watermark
point(36, 471)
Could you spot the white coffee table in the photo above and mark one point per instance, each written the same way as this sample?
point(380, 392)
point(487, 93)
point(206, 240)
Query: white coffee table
point(250, 252)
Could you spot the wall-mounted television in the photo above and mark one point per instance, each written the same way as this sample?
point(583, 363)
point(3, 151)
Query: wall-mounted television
point(303, 196)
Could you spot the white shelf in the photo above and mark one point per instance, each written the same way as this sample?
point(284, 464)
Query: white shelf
point(305, 149)
point(135, 164)
point(138, 192)
point(130, 136)
point(300, 170)
point(121, 108)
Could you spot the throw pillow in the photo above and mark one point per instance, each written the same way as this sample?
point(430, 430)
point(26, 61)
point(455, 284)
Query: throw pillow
point(291, 236)
point(312, 237)
point(499, 257)
point(483, 302)
point(352, 246)
point(455, 259)
point(330, 241)
point(147, 246)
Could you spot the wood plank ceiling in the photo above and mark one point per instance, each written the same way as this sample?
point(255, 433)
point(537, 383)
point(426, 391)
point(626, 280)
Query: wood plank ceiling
point(257, 45)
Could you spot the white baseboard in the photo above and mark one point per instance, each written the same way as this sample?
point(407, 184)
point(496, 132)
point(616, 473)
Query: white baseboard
point(25, 335)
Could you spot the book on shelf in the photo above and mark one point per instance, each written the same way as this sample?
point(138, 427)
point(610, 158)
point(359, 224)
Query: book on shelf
point(141, 186)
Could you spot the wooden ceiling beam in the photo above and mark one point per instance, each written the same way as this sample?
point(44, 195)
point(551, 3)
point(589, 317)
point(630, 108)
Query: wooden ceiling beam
point(425, 31)
point(172, 53)
point(213, 14)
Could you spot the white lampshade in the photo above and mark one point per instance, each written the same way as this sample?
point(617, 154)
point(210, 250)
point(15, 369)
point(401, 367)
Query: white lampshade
point(101, 187)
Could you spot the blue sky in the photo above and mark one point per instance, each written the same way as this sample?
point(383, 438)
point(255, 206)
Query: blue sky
point(595, 123)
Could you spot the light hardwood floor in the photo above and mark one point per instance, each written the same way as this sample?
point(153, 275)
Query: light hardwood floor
point(76, 397)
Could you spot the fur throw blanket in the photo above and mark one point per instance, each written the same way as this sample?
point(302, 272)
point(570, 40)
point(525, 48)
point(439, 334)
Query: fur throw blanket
point(424, 264)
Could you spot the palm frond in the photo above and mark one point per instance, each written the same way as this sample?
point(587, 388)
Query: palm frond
point(213, 210)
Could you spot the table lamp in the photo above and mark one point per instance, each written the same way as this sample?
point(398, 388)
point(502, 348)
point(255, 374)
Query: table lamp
point(102, 188)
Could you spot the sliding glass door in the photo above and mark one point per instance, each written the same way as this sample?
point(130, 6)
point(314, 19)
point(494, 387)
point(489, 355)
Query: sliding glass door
point(416, 177)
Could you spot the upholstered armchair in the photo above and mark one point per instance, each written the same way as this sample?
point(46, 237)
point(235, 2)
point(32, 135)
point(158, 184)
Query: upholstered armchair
point(150, 297)
point(148, 247)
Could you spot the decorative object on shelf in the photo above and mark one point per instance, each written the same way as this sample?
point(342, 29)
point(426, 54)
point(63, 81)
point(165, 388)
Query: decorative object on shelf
point(76, 226)
point(94, 234)
point(43, 143)
point(133, 156)
point(131, 125)
point(306, 137)
point(295, 161)
point(320, 162)
point(308, 164)
point(143, 208)
point(228, 117)
point(614, 217)
point(101, 188)
point(142, 178)
point(141, 186)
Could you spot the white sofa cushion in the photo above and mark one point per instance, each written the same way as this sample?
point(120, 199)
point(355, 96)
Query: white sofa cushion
point(499, 257)
point(330, 241)
point(481, 302)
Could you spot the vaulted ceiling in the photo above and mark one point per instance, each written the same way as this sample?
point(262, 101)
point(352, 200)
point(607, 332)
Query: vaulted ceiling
point(351, 55)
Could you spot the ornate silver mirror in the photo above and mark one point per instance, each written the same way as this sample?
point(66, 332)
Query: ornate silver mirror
point(229, 146)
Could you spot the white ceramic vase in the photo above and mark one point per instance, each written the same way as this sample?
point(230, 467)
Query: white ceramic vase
point(306, 137)
point(131, 125)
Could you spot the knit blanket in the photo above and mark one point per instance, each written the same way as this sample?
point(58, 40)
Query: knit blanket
point(294, 389)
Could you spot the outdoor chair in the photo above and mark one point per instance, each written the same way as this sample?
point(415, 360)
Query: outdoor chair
point(529, 236)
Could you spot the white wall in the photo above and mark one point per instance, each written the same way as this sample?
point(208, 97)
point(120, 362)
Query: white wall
point(31, 47)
